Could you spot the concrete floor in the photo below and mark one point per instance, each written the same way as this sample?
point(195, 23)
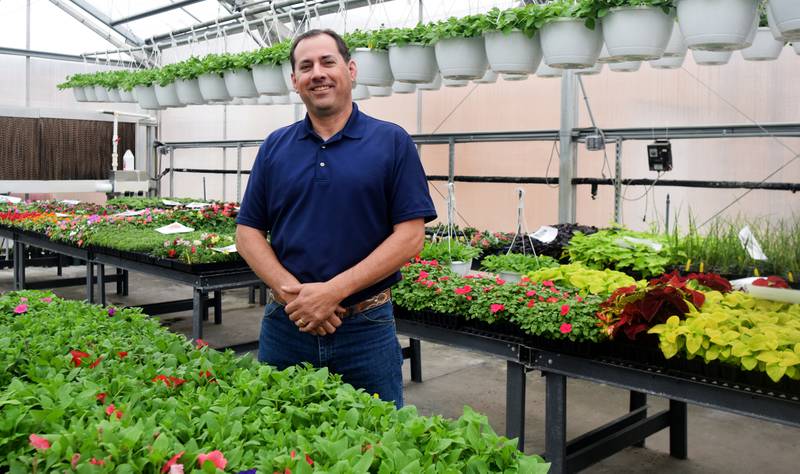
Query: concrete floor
point(719, 442)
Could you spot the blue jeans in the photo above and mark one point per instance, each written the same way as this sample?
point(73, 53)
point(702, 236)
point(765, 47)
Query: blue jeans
point(364, 350)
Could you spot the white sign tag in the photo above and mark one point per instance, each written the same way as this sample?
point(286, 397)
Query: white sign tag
point(545, 234)
point(174, 228)
point(229, 249)
point(10, 199)
point(130, 213)
point(61, 214)
point(646, 242)
point(750, 244)
point(167, 202)
point(70, 202)
point(197, 205)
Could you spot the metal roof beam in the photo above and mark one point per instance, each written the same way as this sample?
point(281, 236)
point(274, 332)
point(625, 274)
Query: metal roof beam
point(97, 14)
point(154, 11)
point(63, 57)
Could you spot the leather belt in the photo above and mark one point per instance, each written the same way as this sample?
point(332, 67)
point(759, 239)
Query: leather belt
point(372, 302)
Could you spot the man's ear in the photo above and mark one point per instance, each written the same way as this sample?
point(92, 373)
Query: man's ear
point(294, 82)
point(351, 65)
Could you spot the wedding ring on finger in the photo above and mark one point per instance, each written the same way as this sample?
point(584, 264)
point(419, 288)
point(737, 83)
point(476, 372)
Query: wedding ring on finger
point(301, 322)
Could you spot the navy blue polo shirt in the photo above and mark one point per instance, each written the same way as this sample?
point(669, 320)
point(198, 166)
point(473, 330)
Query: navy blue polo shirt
point(329, 204)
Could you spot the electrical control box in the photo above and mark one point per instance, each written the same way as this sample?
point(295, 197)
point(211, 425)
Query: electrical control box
point(659, 155)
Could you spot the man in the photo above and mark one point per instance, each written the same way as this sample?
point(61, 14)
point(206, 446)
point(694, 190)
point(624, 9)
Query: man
point(345, 200)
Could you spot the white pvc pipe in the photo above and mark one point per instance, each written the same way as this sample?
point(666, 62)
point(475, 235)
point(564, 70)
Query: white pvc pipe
point(55, 186)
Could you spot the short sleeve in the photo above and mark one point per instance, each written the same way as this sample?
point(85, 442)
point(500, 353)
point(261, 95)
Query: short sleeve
point(410, 196)
point(253, 211)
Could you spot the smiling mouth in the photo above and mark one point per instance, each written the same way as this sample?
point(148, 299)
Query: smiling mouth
point(321, 88)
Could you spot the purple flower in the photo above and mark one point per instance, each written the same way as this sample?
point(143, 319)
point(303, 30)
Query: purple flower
point(249, 471)
point(93, 219)
point(111, 311)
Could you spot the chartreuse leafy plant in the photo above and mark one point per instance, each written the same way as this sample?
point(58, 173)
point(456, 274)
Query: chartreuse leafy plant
point(739, 330)
point(92, 389)
point(466, 27)
point(527, 19)
point(668, 6)
point(620, 249)
point(273, 55)
point(449, 250)
point(420, 34)
point(586, 10)
point(517, 262)
point(584, 280)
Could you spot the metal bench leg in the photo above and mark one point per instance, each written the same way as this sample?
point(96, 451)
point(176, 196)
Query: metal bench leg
point(125, 279)
point(218, 307)
point(515, 403)
point(678, 430)
point(416, 360)
point(101, 283)
point(251, 294)
point(90, 282)
point(199, 307)
point(556, 422)
point(638, 400)
point(118, 272)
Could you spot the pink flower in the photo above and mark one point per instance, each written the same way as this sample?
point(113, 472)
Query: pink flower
point(531, 303)
point(463, 290)
point(74, 461)
point(552, 299)
point(46, 299)
point(110, 409)
point(171, 462)
point(444, 278)
point(38, 442)
point(423, 274)
point(23, 300)
point(200, 343)
point(530, 293)
point(429, 283)
point(176, 469)
point(309, 460)
point(23, 308)
point(97, 462)
point(500, 281)
point(564, 309)
point(547, 283)
point(101, 397)
point(494, 308)
point(566, 328)
point(215, 457)
point(579, 299)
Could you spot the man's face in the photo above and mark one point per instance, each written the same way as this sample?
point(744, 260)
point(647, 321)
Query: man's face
point(321, 76)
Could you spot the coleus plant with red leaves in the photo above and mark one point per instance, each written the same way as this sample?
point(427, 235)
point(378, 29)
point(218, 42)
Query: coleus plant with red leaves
point(771, 282)
point(632, 310)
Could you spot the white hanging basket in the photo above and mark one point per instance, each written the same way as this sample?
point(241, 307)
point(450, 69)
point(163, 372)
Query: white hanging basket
point(101, 93)
point(787, 17)
point(711, 58)
point(280, 99)
point(674, 62)
point(636, 33)
point(113, 95)
point(625, 66)
point(80, 94)
point(592, 71)
point(403, 88)
point(269, 80)
point(212, 87)
point(188, 91)
point(373, 67)
point(88, 91)
point(513, 52)
point(240, 84)
point(764, 48)
point(434, 85)
point(167, 96)
point(604, 57)
point(126, 96)
point(546, 71)
point(413, 63)
point(568, 44)
point(461, 58)
point(146, 96)
point(717, 25)
point(514, 77)
point(796, 48)
point(677, 45)
point(360, 92)
point(286, 70)
point(490, 77)
point(295, 98)
point(454, 82)
point(377, 91)
point(249, 101)
point(773, 26)
point(266, 99)
point(461, 268)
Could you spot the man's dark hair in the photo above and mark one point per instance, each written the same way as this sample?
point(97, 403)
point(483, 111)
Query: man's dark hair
point(340, 44)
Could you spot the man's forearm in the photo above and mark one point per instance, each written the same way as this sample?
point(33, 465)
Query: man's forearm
point(252, 245)
point(404, 243)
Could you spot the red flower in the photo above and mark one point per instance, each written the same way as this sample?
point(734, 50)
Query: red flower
point(547, 283)
point(172, 461)
point(97, 462)
point(118, 414)
point(169, 381)
point(531, 303)
point(292, 454)
point(772, 282)
point(566, 328)
point(309, 460)
point(530, 293)
point(552, 299)
point(200, 343)
point(23, 308)
point(77, 356)
point(110, 409)
point(194, 249)
point(122, 354)
point(101, 397)
point(500, 281)
point(215, 457)
point(494, 308)
point(38, 442)
point(463, 290)
point(96, 362)
point(469, 298)
point(74, 461)
point(423, 274)
point(171, 253)
point(444, 278)
point(564, 309)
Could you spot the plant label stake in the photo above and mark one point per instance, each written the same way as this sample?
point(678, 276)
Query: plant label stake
point(750, 244)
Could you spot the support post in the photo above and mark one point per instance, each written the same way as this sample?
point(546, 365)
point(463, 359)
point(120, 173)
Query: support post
point(198, 309)
point(567, 196)
point(125, 281)
point(90, 282)
point(638, 400)
point(171, 172)
point(118, 272)
point(239, 173)
point(555, 442)
point(618, 181)
point(218, 307)
point(515, 403)
point(678, 430)
point(451, 160)
point(416, 360)
point(101, 283)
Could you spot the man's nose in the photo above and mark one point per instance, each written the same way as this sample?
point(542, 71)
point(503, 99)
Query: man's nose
point(317, 70)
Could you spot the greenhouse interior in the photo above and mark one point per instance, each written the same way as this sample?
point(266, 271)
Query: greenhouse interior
point(576, 248)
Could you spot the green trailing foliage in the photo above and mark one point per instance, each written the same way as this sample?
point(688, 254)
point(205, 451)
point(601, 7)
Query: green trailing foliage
point(449, 250)
point(517, 262)
point(624, 250)
point(86, 388)
point(582, 279)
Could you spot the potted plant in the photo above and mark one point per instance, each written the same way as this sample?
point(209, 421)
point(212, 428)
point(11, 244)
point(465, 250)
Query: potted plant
point(674, 62)
point(571, 37)
point(403, 87)
point(370, 52)
point(434, 85)
point(455, 82)
point(211, 81)
point(451, 251)
point(765, 47)
point(459, 47)
point(489, 78)
point(377, 91)
point(187, 85)
point(411, 56)
point(76, 83)
point(360, 92)
point(512, 41)
point(773, 25)
point(165, 88)
point(511, 266)
point(636, 30)
point(239, 76)
point(548, 72)
point(142, 82)
point(711, 58)
point(592, 71)
point(787, 18)
point(719, 25)
point(286, 72)
point(625, 66)
point(677, 45)
point(267, 73)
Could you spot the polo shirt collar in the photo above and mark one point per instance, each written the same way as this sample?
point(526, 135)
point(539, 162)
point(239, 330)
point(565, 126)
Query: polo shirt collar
point(353, 128)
